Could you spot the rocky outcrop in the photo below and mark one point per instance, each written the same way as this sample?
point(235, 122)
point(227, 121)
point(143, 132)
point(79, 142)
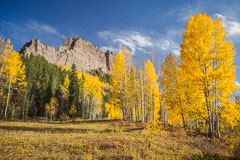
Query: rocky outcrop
point(82, 53)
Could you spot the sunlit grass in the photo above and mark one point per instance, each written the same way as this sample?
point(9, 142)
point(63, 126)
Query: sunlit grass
point(98, 140)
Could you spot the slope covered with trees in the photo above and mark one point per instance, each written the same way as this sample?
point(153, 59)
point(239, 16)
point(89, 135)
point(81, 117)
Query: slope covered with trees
point(32, 87)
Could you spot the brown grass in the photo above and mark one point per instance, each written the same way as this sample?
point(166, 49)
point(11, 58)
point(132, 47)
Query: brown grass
point(96, 140)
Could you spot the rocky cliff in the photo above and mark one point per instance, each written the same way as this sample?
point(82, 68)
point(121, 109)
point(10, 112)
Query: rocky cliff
point(82, 53)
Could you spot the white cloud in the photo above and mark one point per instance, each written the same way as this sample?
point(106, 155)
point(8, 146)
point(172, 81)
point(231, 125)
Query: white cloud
point(164, 45)
point(31, 29)
point(106, 35)
point(176, 52)
point(183, 12)
point(132, 39)
point(187, 11)
point(106, 48)
point(231, 25)
point(237, 83)
point(34, 25)
point(141, 43)
point(169, 46)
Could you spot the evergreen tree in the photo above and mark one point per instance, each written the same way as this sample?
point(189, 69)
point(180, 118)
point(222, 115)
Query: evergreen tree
point(73, 88)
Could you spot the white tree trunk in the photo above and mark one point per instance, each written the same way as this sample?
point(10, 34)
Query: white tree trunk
point(9, 88)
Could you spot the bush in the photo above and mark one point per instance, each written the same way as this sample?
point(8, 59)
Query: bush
point(236, 150)
point(207, 156)
point(64, 117)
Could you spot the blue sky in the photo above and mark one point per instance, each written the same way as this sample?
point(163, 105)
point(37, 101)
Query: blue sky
point(141, 25)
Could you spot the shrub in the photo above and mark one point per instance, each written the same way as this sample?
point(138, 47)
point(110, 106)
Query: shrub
point(64, 117)
point(236, 150)
point(207, 156)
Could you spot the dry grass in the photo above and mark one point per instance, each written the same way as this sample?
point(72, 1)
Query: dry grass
point(95, 140)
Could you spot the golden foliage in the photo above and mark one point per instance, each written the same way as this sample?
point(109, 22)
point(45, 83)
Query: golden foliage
point(52, 107)
point(73, 110)
point(113, 112)
point(209, 73)
point(64, 87)
point(93, 90)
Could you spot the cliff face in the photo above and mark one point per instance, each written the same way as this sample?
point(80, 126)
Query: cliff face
point(83, 54)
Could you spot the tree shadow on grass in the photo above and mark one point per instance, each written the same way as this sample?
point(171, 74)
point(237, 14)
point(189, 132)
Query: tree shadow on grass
point(71, 130)
point(46, 129)
point(77, 122)
point(117, 157)
point(94, 121)
point(134, 129)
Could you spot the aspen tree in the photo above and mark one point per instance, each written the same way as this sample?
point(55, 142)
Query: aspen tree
point(117, 83)
point(128, 86)
point(151, 87)
point(142, 93)
point(64, 92)
point(207, 62)
point(14, 71)
point(52, 107)
point(5, 51)
point(93, 93)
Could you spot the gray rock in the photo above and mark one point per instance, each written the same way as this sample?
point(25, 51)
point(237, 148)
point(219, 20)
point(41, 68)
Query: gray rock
point(82, 53)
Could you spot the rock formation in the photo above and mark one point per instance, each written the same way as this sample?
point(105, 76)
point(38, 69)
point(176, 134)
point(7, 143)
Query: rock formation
point(82, 53)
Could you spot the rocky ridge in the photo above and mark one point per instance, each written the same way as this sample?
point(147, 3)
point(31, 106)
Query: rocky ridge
point(82, 53)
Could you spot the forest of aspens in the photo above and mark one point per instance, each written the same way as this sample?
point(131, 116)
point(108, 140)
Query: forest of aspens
point(185, 108)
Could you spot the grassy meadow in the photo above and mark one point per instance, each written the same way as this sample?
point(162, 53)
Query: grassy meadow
point(103, 139)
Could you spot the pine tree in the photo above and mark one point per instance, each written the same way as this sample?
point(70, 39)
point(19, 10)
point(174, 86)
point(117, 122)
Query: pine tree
point(73, 88)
